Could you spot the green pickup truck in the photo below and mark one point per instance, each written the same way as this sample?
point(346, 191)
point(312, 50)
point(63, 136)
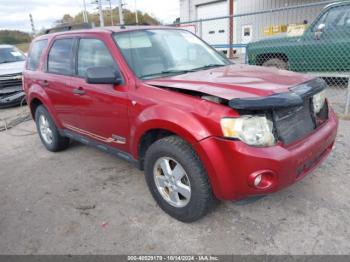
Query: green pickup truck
point(324, 47)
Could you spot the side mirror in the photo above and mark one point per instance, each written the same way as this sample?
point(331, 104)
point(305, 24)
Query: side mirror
point(103, 75)
point(319, 31)
point(222, 53)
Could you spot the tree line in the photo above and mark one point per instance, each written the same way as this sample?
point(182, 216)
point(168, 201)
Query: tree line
point(14, 37)
point(129, 18)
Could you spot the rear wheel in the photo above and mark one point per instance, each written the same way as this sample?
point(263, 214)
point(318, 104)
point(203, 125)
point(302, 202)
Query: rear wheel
point(48, 131)
point(277, 63)
point(177, 179)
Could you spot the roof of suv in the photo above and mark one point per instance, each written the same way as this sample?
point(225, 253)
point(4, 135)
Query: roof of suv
point(108, 29)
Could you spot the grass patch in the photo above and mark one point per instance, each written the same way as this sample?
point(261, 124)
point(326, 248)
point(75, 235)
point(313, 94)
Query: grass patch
point(23, 47)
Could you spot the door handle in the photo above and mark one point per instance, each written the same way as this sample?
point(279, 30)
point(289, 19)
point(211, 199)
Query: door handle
point(78, 91)
point(44, 83)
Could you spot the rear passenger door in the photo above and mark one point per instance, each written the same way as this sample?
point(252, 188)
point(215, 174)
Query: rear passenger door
point(103, 107)
point(56, 80)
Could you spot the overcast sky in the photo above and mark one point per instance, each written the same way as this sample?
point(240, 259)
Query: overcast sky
point(14, 14)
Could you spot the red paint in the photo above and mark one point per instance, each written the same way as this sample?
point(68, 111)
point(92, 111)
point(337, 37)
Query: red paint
point(132, 109)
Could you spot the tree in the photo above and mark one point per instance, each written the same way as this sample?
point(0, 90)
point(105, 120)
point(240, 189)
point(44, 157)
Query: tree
point(129, 18)
point(13, 37)
point(66, 19)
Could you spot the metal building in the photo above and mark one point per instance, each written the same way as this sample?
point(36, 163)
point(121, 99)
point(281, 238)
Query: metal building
point(247, 28)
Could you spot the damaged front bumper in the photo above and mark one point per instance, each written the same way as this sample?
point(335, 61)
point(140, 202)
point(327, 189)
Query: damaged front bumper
point(231, 164)
point(12, 99)
point(11, 91)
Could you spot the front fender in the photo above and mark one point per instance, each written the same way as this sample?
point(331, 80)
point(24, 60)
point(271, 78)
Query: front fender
point(182, 123)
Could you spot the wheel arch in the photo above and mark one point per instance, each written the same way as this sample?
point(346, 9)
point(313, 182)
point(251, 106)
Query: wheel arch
point(168, 123)
point(262, 58)
point(38, 97)
point(33, 105)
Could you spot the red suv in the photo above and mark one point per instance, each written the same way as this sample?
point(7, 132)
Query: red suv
point(199, 126)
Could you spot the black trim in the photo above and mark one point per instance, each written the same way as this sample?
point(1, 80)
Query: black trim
point(68, 27)
point(293, 98)
point(103, 147)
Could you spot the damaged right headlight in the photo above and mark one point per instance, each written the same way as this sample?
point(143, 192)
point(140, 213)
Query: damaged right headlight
point(252, 130)
point(318, 101)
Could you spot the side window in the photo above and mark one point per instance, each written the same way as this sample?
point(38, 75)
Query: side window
point(345, 21)
point(93, 53)
point(335, 18)
point(320, 22)
point(61, 55)
point(36, 51)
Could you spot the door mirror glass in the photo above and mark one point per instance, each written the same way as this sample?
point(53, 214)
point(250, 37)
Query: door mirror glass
point(320, 28)
point(319, 31)
point(103, 75)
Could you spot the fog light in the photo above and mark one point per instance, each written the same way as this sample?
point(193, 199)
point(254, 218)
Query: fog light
point(263, 179)
point(257, 180)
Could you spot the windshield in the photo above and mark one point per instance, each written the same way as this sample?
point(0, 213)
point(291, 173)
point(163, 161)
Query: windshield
point(166, 52)
point(10, 54)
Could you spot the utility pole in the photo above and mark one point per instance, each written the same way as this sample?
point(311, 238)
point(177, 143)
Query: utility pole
point(121, 19)
point(85, 16)
point(111, 11)
point(102, 23)
point(32, 24)
point(136, 14)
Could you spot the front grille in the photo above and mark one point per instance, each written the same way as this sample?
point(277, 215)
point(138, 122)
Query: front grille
point(10, 80)
point(294, 123)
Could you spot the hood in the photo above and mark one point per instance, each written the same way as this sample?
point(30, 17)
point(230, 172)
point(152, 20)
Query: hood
point(11, 68)
point(234, 81)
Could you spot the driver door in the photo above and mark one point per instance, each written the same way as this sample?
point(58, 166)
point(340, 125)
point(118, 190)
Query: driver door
point(103, 107)
point(326, 45)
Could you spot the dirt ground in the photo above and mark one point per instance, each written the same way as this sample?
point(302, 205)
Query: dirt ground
point(83, 201)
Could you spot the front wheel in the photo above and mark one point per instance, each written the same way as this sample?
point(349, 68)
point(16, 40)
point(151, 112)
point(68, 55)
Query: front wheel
point(177, 179)
point(276, 63)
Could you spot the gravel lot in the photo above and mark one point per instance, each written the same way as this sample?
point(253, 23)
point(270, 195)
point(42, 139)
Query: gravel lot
point(83, 201)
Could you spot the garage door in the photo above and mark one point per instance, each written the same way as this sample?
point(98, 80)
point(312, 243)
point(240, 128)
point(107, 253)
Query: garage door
point(214, 32)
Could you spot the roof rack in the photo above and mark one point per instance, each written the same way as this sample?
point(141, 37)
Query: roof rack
point(68, 27)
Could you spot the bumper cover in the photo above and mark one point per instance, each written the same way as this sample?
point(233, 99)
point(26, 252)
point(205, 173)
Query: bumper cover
point(12, 99)
point(230, 163)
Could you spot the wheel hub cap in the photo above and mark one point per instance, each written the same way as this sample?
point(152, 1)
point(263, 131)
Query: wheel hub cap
point(172, 182)
point(45, 129)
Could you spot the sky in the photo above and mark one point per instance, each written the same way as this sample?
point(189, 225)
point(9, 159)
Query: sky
point(14, 14)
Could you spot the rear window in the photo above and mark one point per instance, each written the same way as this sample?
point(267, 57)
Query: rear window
point(61, 55)
point(35, 53)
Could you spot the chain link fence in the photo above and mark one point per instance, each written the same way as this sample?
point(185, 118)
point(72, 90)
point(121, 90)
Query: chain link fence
point(312, 38)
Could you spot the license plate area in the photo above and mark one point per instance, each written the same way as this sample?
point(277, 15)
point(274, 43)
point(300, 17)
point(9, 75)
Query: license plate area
point(294, 123)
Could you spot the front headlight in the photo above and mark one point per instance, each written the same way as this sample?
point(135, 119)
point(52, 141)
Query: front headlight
point(252, 130)
point(318, 101)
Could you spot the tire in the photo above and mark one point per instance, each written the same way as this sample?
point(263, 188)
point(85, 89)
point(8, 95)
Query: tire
point(277, 63)
point(179, 154)
point(48, 130)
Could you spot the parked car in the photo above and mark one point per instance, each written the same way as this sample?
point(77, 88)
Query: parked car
point(11, 67)
point(324, 46)
point(200, 127)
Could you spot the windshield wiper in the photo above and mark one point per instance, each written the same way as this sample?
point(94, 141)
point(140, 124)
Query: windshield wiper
point(180, 72)
point(207, 67)
point(166, 72)
point(6, 61)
